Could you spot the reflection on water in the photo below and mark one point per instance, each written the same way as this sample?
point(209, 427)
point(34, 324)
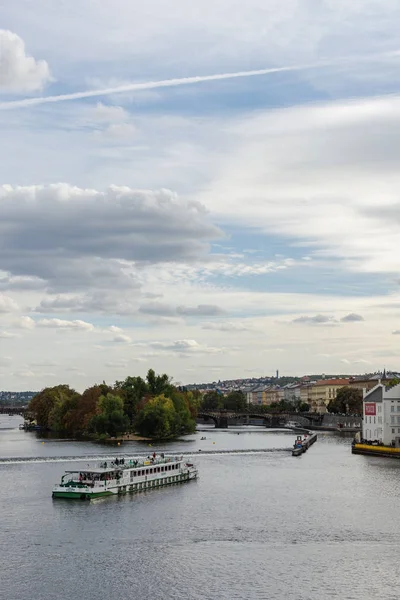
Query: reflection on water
point(254, 525)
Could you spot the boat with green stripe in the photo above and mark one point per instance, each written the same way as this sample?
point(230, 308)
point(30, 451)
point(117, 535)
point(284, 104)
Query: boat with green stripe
point(122, 476)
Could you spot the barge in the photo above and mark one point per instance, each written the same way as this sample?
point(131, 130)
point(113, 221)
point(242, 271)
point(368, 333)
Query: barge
point(301, 445)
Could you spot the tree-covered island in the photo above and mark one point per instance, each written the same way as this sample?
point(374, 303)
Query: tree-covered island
point(151, 407)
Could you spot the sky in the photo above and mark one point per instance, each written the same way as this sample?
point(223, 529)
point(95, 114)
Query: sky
point(209, 189)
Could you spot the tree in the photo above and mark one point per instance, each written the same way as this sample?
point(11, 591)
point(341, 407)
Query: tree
point(158, 384)
point(110, 418)
point(157, 418)
point(132, 390)
point(394, 381)
point(235, 401)
point(212, 400)
point(348, 401)
point(50, 406)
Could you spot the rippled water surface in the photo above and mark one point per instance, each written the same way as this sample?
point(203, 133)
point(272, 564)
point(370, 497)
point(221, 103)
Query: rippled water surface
point(257, 524)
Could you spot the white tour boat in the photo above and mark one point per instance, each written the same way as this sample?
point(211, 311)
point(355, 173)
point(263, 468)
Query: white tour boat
point(121, 476)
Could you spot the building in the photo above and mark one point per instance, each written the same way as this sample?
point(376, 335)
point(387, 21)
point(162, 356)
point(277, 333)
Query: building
point(258, 395)
point(305, 392)
point(322, 392)
point(367, 382)
point(381, 415)
point(291, 392)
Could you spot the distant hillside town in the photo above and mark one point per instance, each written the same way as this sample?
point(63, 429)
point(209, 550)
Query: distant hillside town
point(315, 390)
point(16, 398)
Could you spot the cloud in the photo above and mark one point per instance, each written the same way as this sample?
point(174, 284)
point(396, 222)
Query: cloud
point(228, 326)
point(352, 318)
point(7, 335)
point(19, 72)
point(396, 332)
point(122, 339)
point(348, 143)
point(94, 234)
point(24, 373)
point(161, 309)
point(316, 320)
point(25, 322)
point(108, 113)
point(7, 304)
point(62, 324)
point(185, 346)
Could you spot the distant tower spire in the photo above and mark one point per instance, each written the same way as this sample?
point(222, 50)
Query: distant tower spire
point(384, 374)
point(277, 373)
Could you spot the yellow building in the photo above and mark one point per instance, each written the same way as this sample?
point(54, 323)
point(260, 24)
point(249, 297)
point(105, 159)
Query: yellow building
point(305, 393)
point(273, 395)
point(322, 392)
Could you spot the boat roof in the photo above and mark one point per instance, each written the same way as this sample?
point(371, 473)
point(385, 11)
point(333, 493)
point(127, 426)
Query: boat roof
point(142, 462)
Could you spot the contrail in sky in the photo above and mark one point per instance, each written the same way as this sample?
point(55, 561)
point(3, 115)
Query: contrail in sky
point(151, 85)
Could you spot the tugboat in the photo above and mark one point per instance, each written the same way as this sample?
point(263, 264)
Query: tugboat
point(123, 475)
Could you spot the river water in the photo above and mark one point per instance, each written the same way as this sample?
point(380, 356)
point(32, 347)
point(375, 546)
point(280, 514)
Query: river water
point(255, 525)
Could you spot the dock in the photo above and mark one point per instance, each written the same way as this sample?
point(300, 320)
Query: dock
point(375, 450)
point(304, 444)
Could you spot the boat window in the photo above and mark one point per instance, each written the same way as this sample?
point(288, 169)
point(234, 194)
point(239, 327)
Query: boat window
point(158, 469)
point(162, 469)
point(147, 471)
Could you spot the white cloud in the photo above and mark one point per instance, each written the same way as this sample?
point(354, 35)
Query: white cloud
point(7, 304)
point(108, 113)
point(7, 335)
point(62, 324)
point(24, 373)
point(20, 72)
point(229, 326)
point(25, 322)
point(114, 329)
point(348, 143)
point(122, 339)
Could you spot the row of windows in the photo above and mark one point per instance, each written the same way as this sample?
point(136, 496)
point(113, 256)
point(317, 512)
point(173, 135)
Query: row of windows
point(392, 408)
point(394, 431)
point(393, 419)
point(374, 421)
point(153, 470)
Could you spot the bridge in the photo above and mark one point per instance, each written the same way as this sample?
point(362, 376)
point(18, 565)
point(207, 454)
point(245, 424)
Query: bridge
point(16, 410)
point(221, 418)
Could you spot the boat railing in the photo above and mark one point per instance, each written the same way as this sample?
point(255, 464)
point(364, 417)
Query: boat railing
point(137, 463)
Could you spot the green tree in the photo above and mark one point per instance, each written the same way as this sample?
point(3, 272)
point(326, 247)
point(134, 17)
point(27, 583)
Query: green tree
point(50, 406)
point(348, 401)
point(394, 381)
point(158, 384)
point(133, 390)
point(212, 400)
point(158, 418)
point(110, 418)
point(184, 421)
point(235, 401)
